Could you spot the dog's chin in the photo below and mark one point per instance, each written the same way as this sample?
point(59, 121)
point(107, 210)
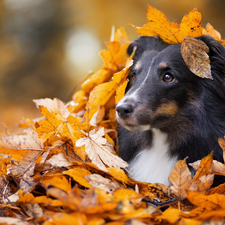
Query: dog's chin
point(132, 126)
point(137, 127)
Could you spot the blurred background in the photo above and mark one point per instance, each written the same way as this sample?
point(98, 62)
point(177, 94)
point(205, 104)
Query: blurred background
point(48, 46)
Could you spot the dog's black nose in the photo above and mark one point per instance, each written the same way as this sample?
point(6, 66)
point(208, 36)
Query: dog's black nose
point(124, 110)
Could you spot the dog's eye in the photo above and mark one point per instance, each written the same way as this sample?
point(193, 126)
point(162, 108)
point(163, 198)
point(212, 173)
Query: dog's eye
point(168, 77)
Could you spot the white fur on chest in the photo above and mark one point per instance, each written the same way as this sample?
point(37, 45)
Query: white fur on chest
point(153, 165)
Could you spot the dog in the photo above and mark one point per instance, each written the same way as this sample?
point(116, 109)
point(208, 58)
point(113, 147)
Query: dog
point(168, 113)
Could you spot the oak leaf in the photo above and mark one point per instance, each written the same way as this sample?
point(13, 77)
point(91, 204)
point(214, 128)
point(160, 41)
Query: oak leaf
point(194, 53)
point(172, 33)
point(100, 151)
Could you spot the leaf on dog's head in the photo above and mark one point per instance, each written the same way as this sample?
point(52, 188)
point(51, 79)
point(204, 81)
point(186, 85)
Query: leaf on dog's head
point(194, 53)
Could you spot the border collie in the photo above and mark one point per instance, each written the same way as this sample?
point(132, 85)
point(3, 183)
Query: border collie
point(168, 113)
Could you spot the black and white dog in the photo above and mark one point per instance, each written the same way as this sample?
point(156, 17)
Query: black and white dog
point(168, 113)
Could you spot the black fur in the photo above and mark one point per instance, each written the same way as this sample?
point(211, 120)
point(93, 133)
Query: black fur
point(197, 116)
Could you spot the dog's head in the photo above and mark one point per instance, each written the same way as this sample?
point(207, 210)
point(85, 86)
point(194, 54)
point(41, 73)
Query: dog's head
point(161, 86)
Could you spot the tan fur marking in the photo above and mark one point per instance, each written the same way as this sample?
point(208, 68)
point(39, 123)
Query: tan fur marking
point(163, 65)
point(137, 66)
point(167, 109)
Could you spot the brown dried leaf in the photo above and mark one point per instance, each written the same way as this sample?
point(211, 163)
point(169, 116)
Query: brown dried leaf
point(99, 150)
point(33, 209)
point(194, 53)
point(59, 160)
point(180, 179)
point(97, 181)
point(202, 184)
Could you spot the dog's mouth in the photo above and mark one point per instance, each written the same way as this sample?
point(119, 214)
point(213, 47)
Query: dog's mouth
point(131, 124)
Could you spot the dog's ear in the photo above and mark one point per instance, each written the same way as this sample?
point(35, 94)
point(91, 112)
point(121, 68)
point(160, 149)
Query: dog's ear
point(216, 55)
point(145, 43)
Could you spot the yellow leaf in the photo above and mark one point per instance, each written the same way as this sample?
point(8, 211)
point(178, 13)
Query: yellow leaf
point(78, 173)
point(56, 181)
point(171, 215)
point(103, 92)
point(209, 202)
point(205, 167)
point(158, 25)
point(55, 124)
point(213, 33)
point(121, 91)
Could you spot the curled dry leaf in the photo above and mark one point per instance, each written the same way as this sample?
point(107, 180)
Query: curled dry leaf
point(194, 53)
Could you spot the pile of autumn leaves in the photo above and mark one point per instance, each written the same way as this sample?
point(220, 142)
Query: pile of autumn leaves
point(65, 169)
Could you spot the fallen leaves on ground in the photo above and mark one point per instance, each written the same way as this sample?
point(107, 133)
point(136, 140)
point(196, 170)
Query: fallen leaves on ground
point(65, 170)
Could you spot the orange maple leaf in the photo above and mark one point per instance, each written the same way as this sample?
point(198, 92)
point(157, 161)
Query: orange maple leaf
point(172, 33)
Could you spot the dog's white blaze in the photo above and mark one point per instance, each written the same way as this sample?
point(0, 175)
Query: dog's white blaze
point(153, 164)
point(134, 95)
